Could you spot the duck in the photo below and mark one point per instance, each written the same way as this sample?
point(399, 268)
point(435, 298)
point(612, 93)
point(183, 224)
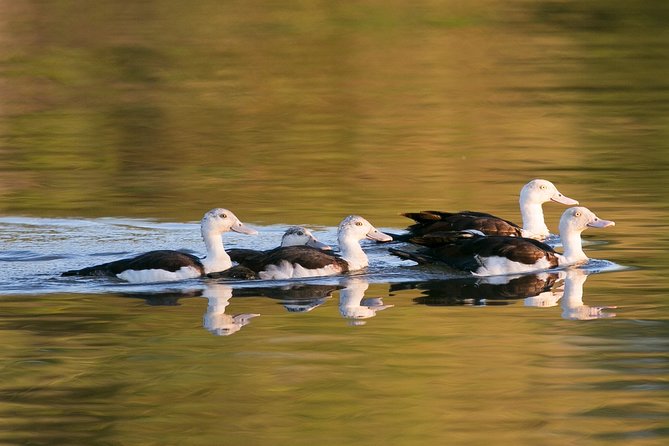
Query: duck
point(294, 236)
point(532, 196)
point(473, 252)
point(292, 262)
point(169, 265)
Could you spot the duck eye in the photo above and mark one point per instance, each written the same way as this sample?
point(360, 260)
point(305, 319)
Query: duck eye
point(300, 233)
point(543, 186)
point(223, 215)
point(577, 214)
point(358, 223)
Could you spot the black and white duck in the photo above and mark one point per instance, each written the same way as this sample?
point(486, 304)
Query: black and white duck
point(169, 265)
point(532, 196)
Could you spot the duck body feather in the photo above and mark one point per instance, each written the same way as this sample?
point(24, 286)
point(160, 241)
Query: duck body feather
point(166, 260)
point(532, 196)
point(169, 265)
point(482, 255)
point(285, 262)
point(241, 255)
point(428, 222)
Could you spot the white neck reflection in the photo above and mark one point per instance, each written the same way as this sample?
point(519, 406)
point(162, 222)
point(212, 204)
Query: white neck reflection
point(570, 297)
point(353, 304)
point(572, 304)
point(215, 320)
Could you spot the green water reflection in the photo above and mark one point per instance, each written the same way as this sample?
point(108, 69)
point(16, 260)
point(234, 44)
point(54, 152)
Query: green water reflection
point(303, 113)
point(308, 111)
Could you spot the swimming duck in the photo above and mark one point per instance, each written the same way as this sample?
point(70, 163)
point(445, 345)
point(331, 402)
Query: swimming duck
point(289, 262)
point(473, 252)
point(532, 196)
point(167, 265)
point(294, 236)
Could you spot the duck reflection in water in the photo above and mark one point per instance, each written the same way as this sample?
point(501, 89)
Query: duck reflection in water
point(352, 302)
point(572, 299)
point(295, 297)
point(215, 319)
point(218, 297)
point(498, 290)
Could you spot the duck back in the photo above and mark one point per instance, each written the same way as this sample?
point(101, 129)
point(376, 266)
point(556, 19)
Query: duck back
point(167, 260)
point(428, 222)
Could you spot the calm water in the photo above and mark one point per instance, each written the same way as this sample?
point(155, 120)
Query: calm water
point(122, 122)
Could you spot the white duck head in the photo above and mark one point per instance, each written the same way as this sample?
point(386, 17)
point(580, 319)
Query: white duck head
point(213, 224)
point(532, 196)
point(220, 220)
point(351, 231)
point(573, 222)
point(301, 236)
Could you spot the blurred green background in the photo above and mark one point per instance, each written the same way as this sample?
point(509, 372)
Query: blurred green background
point(307, 111)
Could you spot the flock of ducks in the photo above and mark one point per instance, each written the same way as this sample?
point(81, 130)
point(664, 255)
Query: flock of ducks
point(470, 242)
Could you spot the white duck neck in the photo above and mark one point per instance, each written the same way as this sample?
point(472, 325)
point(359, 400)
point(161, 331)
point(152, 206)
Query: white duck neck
point(533, 219)
point(352, 252)
point(573, 247)
point(217, 259)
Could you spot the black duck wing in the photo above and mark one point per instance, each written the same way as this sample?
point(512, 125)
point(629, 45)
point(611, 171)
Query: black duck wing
point(516, 249)
point(237, 272)
point(161, 259)
point(465, 251)
point(435, 221)
point(241, 255)
point(441, 247)
point(307, 257)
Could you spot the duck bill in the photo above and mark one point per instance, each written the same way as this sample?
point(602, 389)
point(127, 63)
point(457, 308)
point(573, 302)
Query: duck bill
point(318, 245)
point(559, 198)
point(243, 229)
point(379, 236)
point(601, 223)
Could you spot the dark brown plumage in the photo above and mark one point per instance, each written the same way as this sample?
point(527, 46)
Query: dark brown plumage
point(305, 256)
point(466, 251)
point(428, 222)
point(167, 260)
point(240, 255)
